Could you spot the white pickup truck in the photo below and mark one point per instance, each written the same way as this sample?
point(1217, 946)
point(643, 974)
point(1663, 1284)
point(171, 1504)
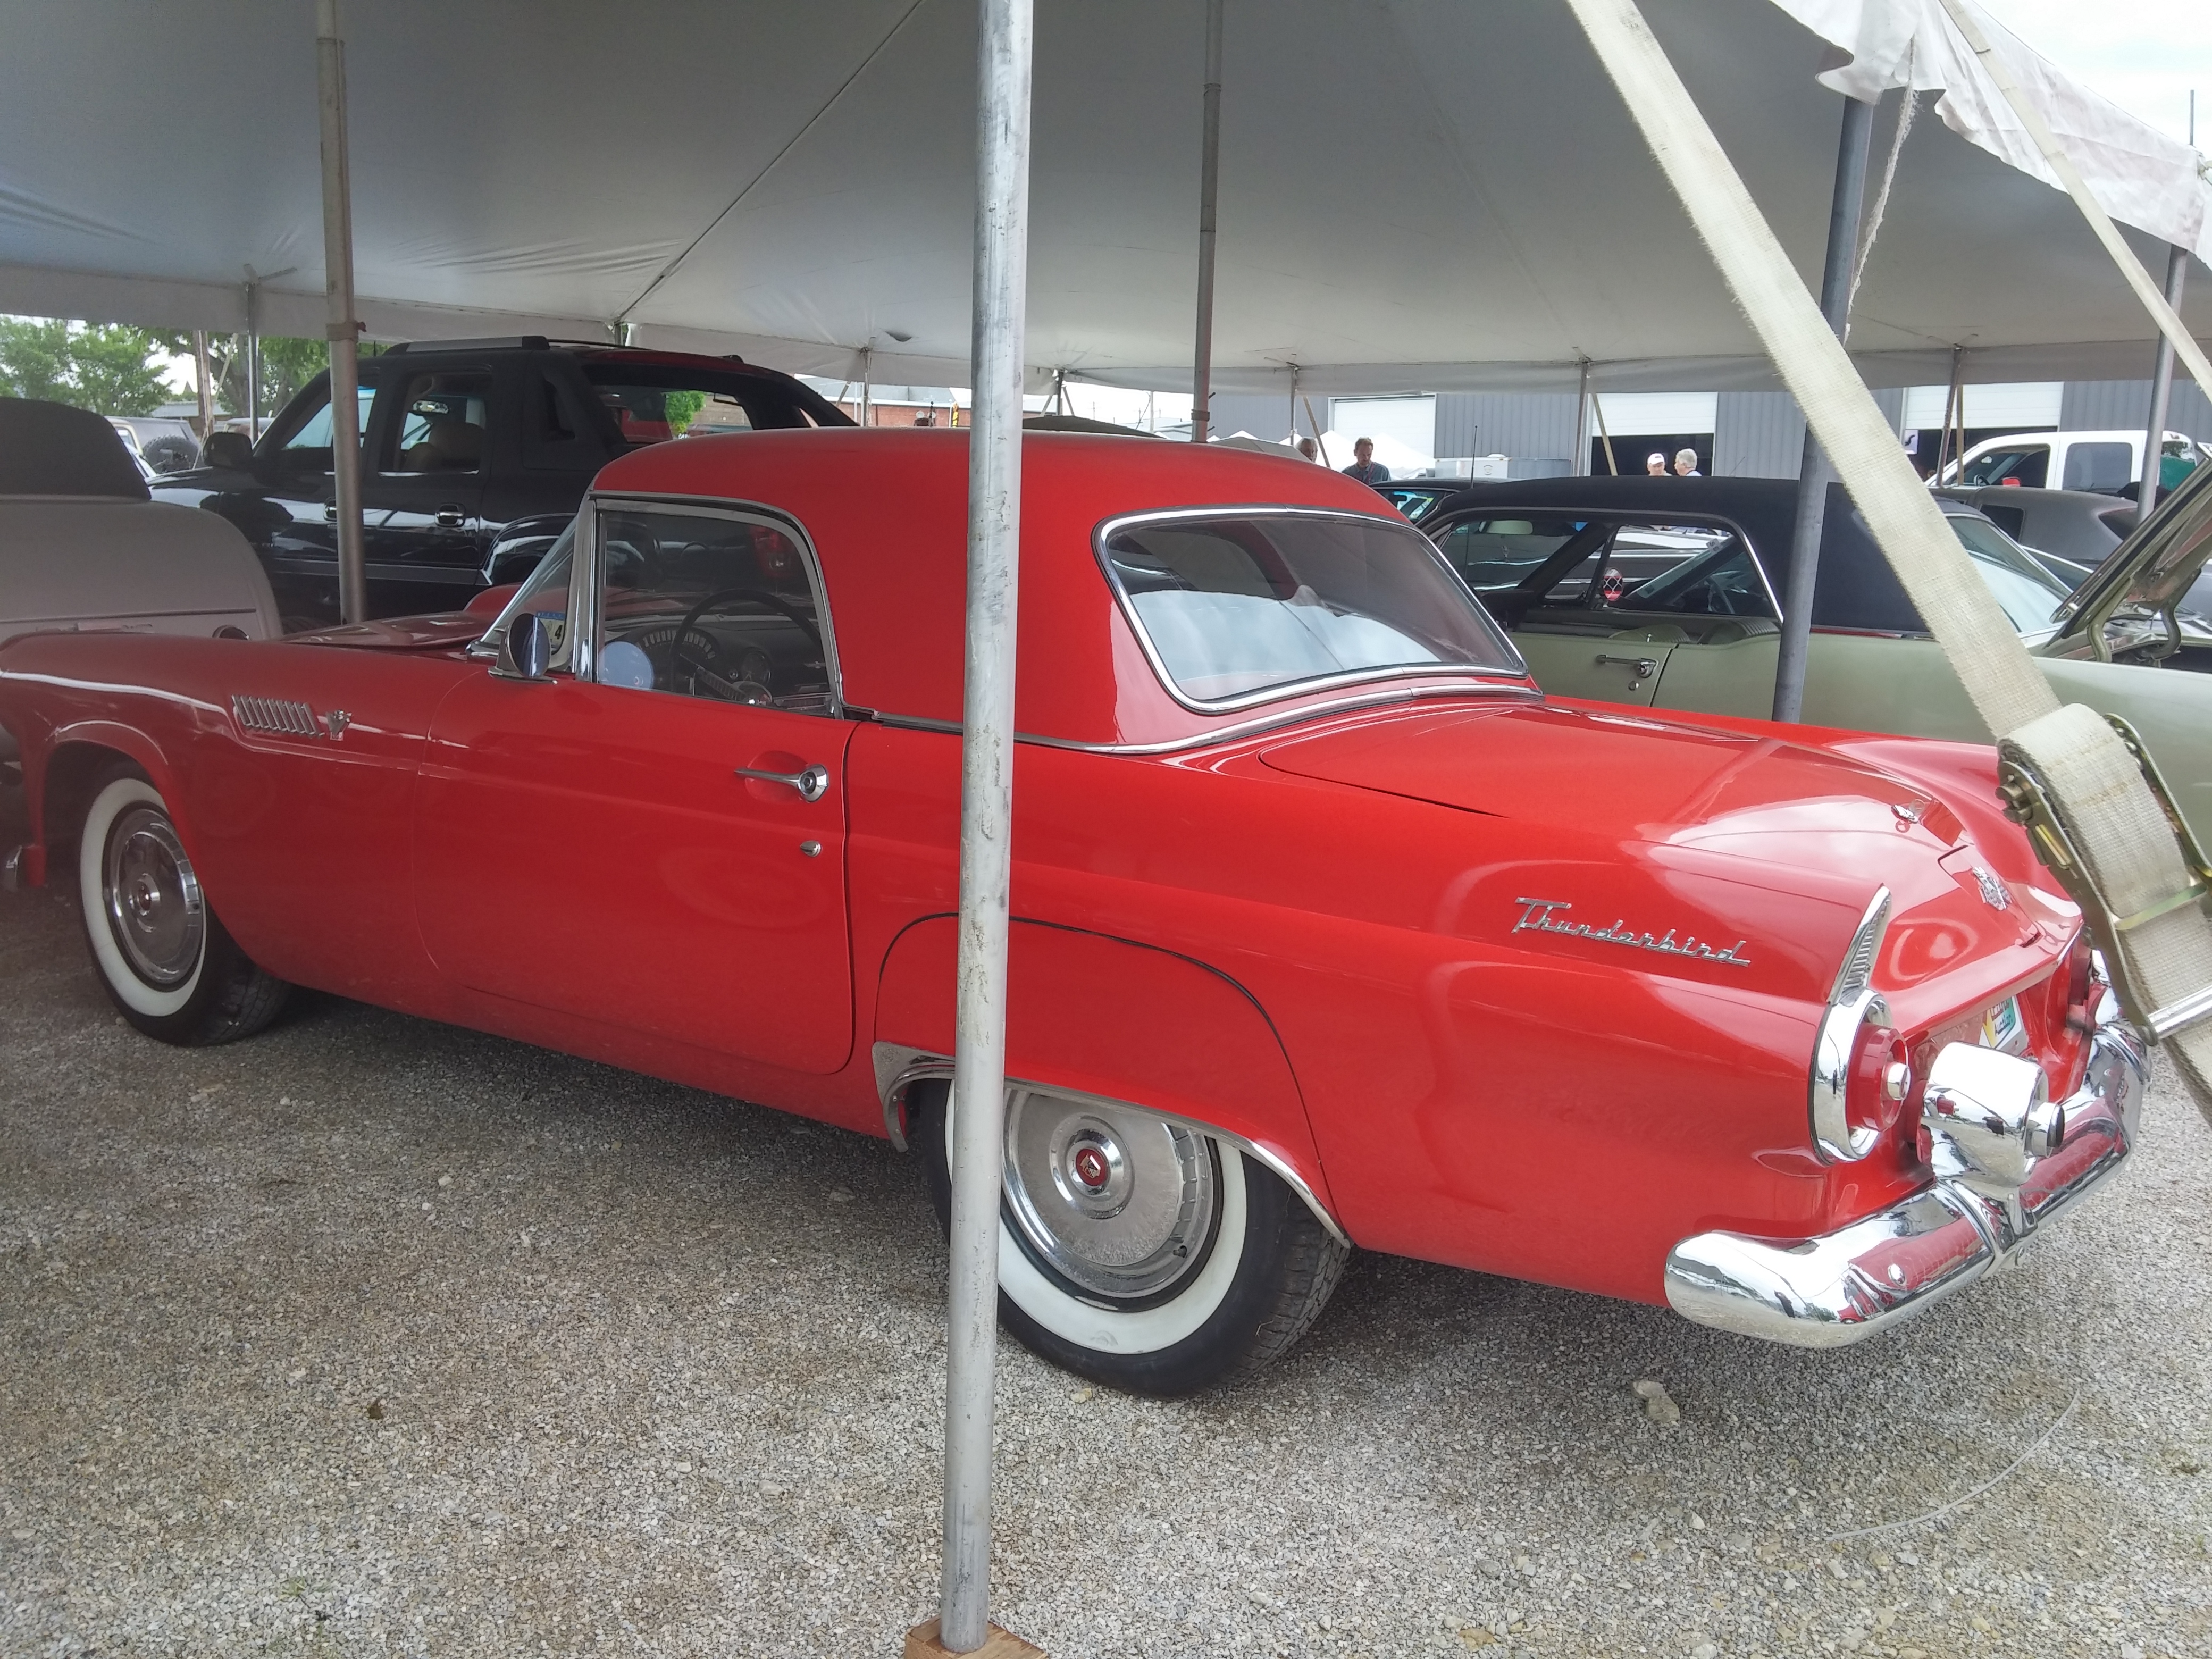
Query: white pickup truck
point(83, 546)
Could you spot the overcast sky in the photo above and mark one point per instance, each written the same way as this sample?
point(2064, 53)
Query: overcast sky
point(2144, 55)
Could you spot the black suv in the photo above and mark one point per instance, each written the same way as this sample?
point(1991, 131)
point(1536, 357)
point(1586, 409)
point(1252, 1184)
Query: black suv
point(475, 454)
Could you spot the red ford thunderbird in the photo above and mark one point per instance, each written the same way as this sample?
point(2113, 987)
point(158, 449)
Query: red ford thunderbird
point(1331, 929)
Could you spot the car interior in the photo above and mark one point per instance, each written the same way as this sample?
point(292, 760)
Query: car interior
point(706, 605)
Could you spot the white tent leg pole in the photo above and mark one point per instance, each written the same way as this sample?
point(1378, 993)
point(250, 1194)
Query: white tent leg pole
point(343, 332)
point(1852, 150)
point(2098, 825)
point(1209, 180)
point(2161, 387)
point(1581, 459)
point(2069, 176)
point(252, 356)
point(987, 778)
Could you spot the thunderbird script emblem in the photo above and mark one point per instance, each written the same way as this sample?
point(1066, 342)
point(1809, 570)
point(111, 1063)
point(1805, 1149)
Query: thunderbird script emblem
point(1548, 917)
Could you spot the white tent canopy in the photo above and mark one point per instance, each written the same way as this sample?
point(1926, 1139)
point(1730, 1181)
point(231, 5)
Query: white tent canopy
point(1422, 193)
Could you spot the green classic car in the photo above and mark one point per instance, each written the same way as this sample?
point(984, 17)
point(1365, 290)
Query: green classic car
point(1568, 565)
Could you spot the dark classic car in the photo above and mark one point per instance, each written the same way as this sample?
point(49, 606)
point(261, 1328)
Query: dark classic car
point(474, 454)
point(1329, 927)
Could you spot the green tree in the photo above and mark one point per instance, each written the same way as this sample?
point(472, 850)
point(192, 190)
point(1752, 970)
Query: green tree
point(34, 358)
point(113, 373)
point(108, 367)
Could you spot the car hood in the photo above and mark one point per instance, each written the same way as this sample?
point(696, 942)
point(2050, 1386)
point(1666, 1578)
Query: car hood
point(2157, 563)
point(1686, 842)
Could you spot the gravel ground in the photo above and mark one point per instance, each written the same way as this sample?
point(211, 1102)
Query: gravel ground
point(372, 1336)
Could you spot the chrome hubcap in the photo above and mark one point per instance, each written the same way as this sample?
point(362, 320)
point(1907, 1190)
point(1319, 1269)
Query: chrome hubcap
point(153, 898)
point(1120, 1203)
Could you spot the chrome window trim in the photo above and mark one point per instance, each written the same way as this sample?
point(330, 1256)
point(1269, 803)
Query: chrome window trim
point(898, 1068)
point(1393, 522)
point(713, 507)
point(1380, 698)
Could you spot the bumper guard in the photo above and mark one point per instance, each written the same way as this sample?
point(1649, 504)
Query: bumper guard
point(1843, 1287)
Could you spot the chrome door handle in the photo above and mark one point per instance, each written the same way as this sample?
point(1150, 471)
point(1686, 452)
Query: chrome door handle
point(449, 518)
point(813, 782)
point(1645, 667)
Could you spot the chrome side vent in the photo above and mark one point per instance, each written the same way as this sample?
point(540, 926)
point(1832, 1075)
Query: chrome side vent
point(280, 715)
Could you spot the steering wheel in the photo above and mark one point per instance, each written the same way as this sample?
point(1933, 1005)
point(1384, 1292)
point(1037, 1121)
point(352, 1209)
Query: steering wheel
point(708, 668)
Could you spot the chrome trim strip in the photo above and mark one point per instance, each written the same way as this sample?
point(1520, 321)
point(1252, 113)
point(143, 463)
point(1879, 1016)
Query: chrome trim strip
point(745, 512)
point(1242, 729)
point(1393, 522)
point(898, 1068)
point(1840, 1288)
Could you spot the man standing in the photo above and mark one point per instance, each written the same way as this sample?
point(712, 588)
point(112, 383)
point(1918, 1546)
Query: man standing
point(1365, 467)
point(1655, 465)
point(1686, 463)
point(1310, 449)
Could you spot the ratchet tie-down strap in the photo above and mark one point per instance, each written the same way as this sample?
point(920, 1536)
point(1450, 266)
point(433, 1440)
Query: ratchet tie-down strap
point(2094, 810)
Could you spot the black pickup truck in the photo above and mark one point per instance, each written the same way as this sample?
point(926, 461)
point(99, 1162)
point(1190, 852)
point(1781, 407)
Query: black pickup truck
point(475, 454)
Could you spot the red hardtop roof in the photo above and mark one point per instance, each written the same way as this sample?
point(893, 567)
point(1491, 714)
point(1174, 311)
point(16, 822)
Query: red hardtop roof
point(888, 509)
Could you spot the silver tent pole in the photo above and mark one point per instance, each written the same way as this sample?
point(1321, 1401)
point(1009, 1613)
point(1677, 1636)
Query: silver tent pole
point(2161, 387)
point(253, 355)
point(1581, 467)
point(1855, 145)
point(1209, 181)
point(986, 769)
point(343, 329)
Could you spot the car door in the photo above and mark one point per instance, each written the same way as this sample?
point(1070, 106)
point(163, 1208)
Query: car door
point(423, 536)
point(291, 514)
point(658, 841)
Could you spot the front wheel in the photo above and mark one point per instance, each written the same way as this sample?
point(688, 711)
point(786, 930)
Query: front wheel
point(1139, 1251)
point(167, 962)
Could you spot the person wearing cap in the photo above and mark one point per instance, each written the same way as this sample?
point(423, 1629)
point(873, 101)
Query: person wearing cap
point(1654, 464)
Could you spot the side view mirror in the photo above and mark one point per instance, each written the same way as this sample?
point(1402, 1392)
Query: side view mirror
point(527, 648)
point(230, 450)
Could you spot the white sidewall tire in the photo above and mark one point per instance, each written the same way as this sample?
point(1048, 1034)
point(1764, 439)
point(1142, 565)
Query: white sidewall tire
point(110, 804)
point(1143, 1330)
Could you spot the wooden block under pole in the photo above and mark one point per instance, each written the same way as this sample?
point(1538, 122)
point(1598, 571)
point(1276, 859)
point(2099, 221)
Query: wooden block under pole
point(921, 1642)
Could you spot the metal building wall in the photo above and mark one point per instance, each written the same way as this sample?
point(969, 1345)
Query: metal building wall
point(2125, 406)
point(1757, 434)
point(1537, 426)
point(1261, 414)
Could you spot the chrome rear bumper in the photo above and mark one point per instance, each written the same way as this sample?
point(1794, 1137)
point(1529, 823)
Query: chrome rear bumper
point(1840, 1288)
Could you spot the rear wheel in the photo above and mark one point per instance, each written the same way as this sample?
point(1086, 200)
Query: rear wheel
point(1139, 1251)
point(164, 957)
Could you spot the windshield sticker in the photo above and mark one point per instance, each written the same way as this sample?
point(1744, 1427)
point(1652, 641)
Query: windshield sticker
point(1543, 916)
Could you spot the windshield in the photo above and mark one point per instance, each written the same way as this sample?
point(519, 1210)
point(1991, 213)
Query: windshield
point(2029, 595)
point(1234, 608)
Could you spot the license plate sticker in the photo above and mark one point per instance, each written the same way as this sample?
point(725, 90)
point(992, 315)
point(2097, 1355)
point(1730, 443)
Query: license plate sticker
point(2002, 1028)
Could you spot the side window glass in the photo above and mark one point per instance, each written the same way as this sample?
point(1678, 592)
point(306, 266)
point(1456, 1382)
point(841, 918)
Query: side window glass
point(556, 433)
point(441, 424)
point(707, 604)
point(1493, 553)
point(1684, 571)
point(308, 448)
point(2102, 467)
point(2027, 466)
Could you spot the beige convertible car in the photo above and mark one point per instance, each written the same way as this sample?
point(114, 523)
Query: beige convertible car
point(1568, 565)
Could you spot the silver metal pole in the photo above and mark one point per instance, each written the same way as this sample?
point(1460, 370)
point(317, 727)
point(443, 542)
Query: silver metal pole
point(1209, 182)
point(1855, 145)
point(2161, 387)
point(343, 331)
point(253, 355)
point(987, 801)
point(1581, 458)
